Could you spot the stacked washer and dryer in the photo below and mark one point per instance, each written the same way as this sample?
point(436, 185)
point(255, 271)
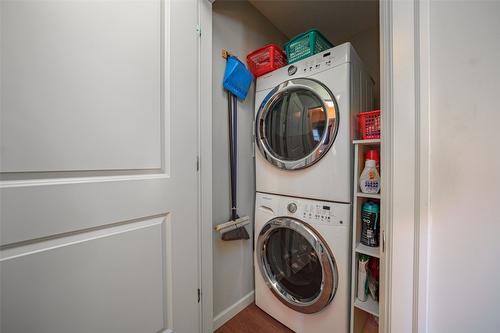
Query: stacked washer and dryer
point(304, 126)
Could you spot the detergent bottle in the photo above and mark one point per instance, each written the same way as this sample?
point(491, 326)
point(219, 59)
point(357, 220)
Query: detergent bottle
point(369, 181)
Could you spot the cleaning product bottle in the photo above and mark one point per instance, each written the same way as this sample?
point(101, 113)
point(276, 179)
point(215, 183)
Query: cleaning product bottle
point(370, 225)
point(369, 181)
point(362, 277)
point(374, 154)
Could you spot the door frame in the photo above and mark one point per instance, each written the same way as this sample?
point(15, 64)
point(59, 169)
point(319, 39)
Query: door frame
point(204, 29)
point(405, 82)
point(404, 48)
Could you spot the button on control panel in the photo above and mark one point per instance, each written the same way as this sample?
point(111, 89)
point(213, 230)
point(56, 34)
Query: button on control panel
point(315, 212)
point(322, 212)
point(318, 62)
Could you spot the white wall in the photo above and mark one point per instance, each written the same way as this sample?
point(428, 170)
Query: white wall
point(464, 271)
point(240, 29)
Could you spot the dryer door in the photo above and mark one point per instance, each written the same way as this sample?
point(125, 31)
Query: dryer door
point(297, 123)
point(296, 264)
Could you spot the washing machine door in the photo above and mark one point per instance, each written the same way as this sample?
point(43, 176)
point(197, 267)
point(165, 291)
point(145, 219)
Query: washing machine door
point(297, 123)
point(296, 264)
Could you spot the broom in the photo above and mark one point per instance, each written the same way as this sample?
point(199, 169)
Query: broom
point(237, 80)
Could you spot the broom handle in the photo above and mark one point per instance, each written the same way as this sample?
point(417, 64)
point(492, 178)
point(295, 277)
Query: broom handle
point(233, 151)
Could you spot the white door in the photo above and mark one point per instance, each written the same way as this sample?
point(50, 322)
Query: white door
point(99, 180)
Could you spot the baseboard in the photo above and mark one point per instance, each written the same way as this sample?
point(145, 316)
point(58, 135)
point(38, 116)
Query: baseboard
point(233, 310)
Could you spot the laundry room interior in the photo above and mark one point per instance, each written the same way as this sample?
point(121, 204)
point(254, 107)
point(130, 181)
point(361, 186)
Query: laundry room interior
point(241, 29)
point(249, 166)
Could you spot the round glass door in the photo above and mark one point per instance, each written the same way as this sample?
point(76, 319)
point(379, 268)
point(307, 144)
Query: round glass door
point(297, 123)
point(296, 265)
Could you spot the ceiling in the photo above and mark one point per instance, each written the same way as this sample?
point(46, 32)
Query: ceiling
point(338, 20)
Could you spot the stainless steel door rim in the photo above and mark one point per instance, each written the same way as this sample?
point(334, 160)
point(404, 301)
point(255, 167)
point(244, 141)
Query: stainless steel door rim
point(329, 107)
point(272, 275)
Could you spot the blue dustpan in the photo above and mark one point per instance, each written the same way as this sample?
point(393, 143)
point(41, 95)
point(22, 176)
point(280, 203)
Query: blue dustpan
point(237, 78)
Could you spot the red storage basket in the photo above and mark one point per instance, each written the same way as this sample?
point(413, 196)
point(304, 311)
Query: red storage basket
point(369, 123)
point(265, 60)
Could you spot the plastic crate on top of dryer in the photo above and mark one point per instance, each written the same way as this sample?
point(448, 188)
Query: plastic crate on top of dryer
point(266, 59)
point(305, 45)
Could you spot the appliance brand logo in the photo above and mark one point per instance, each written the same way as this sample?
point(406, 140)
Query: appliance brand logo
point(292, 70)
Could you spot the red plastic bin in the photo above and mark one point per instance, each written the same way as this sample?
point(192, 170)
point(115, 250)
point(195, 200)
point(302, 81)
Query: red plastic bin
point(369, 123)
point(266, 59)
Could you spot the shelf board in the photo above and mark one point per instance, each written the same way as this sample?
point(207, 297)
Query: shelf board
point(367, 195)
point(368, 250)
point(370, 306)
point(367, 142)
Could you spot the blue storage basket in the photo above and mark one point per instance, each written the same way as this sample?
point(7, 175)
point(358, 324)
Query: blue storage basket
point(237, 78)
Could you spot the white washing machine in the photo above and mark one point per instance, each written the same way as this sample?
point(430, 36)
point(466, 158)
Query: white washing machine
point(302, 258)
point(305, 121)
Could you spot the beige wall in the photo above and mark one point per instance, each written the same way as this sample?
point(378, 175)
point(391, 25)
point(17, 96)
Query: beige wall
point(239, 28)
point(367, 46)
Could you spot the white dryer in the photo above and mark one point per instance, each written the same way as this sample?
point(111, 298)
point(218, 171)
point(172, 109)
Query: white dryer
point(302, 260)
point(305, 121)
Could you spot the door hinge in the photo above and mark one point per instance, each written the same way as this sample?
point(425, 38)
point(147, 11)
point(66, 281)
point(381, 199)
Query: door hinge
point(199, 295)
point(197, 163)
point(198, 30)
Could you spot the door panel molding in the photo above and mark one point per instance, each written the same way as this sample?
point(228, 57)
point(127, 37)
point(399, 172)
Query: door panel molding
point(65, 180)
point(40, 211)
point(107, 264)
point(59, 153)
point(75, 238)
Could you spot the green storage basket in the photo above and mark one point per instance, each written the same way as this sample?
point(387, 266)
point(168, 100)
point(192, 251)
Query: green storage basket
point(305, 45)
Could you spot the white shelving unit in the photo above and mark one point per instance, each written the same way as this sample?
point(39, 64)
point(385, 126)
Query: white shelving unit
point(366, 195)
point(367, 142)
point(369, 306)
point(361, 310)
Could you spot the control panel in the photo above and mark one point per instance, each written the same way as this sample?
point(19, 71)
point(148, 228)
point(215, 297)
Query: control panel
point(320, 212)
point(318, 63)
point(323, 61)
point(314, 212)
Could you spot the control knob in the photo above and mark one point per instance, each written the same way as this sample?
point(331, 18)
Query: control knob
point(292, 207)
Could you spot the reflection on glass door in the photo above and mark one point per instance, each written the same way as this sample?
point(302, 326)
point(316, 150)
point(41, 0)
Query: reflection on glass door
point(294, 263)
point(295, 125)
